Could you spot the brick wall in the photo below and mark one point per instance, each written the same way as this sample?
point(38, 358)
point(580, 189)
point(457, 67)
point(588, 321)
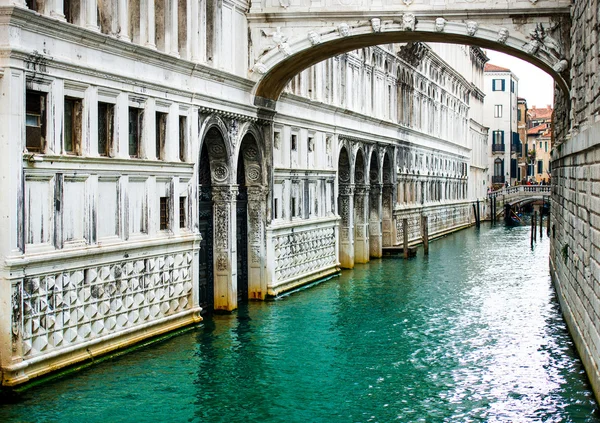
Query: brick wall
point(575, 248)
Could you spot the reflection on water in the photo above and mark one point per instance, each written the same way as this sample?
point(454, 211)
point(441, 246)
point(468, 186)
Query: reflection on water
point(471, 333)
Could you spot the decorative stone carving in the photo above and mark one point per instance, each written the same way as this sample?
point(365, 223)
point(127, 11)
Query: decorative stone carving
point(259, 68)
point(359, 177)
point(221, 262)
point(314, 38)
point(216, 150)
point(220, 172)
point(250, 153)
point(407, 2)
point(223, 193)
point(502, 35)
point(221, 238)
point(344, 29)
point(440, 24)
point(233, 129)
point(253, 173)
point(63, 309)
point(345, 189)
point(376, 24)
point(408, 22)
point(284, 48)
point(545, 41)
point(472, 27)
point(560, 66)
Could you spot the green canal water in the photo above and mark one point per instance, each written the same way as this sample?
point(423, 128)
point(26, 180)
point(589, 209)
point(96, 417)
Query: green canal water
point(473, 333)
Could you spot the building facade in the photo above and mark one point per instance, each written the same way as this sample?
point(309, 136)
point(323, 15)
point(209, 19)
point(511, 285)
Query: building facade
point(539, 143)
point(140, 187)
point(501, 87)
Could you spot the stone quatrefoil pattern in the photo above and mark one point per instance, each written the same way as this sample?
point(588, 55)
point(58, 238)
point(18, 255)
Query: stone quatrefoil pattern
point(304, 252)
point(58, 310)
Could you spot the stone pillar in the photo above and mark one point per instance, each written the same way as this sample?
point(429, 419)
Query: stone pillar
point(346, 211)
point(147, 24)
point(122, 20)
point(375, 218)
point(194, 30)
point(257, 212)
point(224, 257)
point(387, 206)
point(361, 224)
point(171, 28)
point(55, 8)
point(91, 15)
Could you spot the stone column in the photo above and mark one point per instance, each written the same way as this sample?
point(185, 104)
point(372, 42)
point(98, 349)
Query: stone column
point(375, 218)
point(122, 20)
point(346, 211)
point(147, 24)
point(91, 15)
point(224, 257)
point(257, 212)
point(361, 224)
point(55, 8)
point(194, 30)
point(171, 28)
point(387, 206)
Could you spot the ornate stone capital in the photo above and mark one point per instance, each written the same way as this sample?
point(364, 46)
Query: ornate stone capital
point(224, 193)
point(257, 193)
point(346, 189)
point(361, 189)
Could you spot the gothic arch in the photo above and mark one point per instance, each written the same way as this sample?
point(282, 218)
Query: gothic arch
point(213, 136)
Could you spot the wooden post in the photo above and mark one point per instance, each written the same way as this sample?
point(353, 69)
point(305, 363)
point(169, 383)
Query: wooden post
point(478, 216)
point(494, 210)
point(475, 213)
point(541, 224)
point(405, 236)
point(425, 234)
point(535, 225)
point(532, 228)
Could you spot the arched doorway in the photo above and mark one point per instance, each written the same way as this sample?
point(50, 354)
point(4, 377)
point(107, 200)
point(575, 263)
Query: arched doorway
point(374, 207)
point(345, 210)
point(361, 210)
point(241, 207)
point(206, 290)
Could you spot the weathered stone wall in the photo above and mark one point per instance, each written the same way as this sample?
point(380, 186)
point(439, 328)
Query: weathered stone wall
point(575, 254)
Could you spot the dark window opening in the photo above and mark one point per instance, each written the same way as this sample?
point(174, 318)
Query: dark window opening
point(35, 121)
point(164, 213)
point(106, 118)
point(275, 209)
point(293, 206)
point(182, 213)
point(182, 126)
point(161, 134)
point(294, 142)
point(72, 126)
point(136, 118)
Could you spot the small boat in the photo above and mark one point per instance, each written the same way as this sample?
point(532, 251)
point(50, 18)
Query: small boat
point(513, 219)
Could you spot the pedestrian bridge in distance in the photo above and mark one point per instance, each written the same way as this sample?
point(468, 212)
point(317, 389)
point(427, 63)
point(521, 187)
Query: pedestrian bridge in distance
point(288, 36)
point(519, 194)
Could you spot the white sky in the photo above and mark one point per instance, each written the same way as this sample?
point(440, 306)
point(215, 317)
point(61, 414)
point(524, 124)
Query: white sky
point(535, 85)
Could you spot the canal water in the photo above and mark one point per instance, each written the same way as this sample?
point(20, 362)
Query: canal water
point(473, 333)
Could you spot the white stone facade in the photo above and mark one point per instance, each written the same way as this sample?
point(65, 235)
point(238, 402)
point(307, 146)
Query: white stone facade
point(139, 184)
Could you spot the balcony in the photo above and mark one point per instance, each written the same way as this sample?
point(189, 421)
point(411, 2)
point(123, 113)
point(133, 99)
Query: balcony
point(516, 148)
point(497, 148)
point(498, 179)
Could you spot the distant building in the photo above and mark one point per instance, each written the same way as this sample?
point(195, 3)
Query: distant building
point(539, 143)
point(500, 115)
point(522, 126)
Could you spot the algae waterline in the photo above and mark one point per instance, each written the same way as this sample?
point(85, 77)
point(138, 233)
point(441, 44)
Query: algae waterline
point(471, 333)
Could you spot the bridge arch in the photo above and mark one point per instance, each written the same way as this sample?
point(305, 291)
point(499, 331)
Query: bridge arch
point(529, 41)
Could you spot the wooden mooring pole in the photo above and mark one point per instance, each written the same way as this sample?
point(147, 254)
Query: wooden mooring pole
point(478, 216)
point(541, 224)
point(532, 228)
point(425, 234)
point(405, 236)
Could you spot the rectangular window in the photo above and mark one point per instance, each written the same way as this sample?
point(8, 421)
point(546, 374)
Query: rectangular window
point(275, 209)
point(293, 206)
point(136, 119)
point(311, 144)
point(546, 146)
point(540, 166)
point(498, 137)
point(160, 135)
point(498, 110)
point(519, 115)
point(72, 126)
point(182, 139)
point(294, 142)
point(182, 213)
point(497, 84)
point(512, 86)
point(106, 118)
point(35, 121)
point(164, 213)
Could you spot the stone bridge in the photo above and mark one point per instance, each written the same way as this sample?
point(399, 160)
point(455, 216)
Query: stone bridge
point(518, 194)
point(288, 36)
